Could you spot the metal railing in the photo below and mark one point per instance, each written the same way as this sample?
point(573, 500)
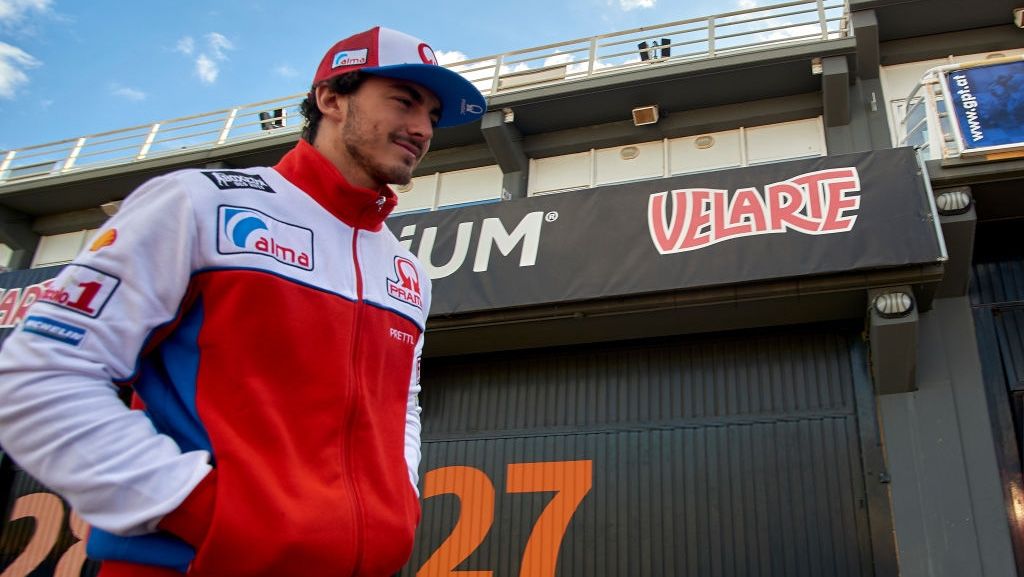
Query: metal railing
point(694, 39)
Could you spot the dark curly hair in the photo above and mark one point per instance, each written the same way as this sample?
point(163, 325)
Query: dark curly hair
point(342, 84)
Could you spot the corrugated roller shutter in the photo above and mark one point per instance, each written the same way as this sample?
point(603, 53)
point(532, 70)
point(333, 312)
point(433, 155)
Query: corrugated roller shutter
point(738, 456)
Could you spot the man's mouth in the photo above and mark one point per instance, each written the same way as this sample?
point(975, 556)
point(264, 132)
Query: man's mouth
point(412, 147)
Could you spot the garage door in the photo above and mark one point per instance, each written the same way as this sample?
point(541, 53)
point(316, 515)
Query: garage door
point(733, 455)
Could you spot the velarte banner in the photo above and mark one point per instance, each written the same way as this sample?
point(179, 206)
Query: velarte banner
point(774, 221)
point(18, 290)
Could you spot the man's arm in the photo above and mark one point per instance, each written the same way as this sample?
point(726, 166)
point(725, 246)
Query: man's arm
point(412, 420)
point(60, 416)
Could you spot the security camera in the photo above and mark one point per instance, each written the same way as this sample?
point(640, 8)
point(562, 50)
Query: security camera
point(1018, 17)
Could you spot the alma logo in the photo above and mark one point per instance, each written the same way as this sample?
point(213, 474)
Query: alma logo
point(249, 231)
point(406, 287)
point(349, 58)
point(817, 202)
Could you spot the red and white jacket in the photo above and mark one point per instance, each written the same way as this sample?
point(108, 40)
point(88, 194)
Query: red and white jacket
point(271, 327)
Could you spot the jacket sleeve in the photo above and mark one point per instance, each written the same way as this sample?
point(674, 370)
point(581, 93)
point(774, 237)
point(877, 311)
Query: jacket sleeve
point(60, 416)
point(413, 409)
point(412, 420)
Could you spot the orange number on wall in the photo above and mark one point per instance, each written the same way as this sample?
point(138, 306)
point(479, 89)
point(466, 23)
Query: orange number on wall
point(476, 495)
point(70, 564)
point(572, 480)
point(48, 512)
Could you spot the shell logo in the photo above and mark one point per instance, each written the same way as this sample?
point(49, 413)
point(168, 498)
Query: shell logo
point(106, 239)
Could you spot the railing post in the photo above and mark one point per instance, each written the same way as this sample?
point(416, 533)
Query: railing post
point(8, 159)
point(74, 154)
point(497, 73)
point(823, 19)
point(711, 36)
point(149, 141)
point(227, 126)
point(593, 56)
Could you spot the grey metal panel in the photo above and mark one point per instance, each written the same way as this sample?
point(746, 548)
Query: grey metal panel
point(723, 456)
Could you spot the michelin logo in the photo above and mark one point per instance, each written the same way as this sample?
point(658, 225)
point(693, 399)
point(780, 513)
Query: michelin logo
point(228, 179)
point(56, 330)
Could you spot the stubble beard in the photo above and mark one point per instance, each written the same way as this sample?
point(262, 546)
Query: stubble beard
point(357, 141)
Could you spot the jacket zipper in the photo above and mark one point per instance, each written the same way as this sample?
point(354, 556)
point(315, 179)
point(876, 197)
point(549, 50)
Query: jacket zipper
point(356, 390)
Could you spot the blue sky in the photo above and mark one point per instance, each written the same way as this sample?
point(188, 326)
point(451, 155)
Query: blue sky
point(71, 68)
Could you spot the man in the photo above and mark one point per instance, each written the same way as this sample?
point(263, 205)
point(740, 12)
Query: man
point(271, 327)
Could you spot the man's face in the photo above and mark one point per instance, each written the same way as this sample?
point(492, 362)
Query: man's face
point(386, 131)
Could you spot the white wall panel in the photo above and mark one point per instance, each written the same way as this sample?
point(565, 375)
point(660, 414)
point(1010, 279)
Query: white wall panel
point(59, 248)
point(471, 185)
point(5, 255)
point(705, 152)
point(560, 173)
point(417, 195)
point(797, 139)
point(626, 163)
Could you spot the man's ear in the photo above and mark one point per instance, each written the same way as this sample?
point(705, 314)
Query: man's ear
point(332, 105)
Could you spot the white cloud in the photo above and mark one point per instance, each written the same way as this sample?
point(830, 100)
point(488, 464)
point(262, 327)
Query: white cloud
point(12, 11)
point(206, 69)
point(13, 63)
point(218, 43)
point(206, 62)
point(127, 93)
point(185, 45)
point(628, 5)
point(449, 56)
point(746, 4)
point(285, 71)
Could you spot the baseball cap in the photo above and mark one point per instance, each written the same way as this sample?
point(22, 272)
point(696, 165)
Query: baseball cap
point(384, 52)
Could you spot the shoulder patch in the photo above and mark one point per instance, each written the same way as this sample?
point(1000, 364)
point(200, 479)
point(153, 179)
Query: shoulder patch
point(229, 179)
point(53, 329)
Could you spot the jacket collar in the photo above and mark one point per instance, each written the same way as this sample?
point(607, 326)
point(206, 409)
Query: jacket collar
point(356, 206)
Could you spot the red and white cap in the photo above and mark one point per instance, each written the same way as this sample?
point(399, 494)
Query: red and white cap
point(393, 54)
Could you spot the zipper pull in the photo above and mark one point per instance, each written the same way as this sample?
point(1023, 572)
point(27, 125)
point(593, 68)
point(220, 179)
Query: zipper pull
point(380, 203)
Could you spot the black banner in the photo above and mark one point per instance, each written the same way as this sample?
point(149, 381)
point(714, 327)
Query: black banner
point(781, 220)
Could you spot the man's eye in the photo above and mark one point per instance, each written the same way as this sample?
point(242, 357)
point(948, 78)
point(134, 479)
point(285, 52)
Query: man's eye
point(404, 101)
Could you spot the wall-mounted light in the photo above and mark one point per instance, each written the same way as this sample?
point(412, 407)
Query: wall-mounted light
point(893, 305)
point(1018, 17)
point(403, 187)
point(953, 202)
point(704, 142)
point(645, 115)
point(110, 208)
point(629, 152)
point(508, 115)
point(816, 67)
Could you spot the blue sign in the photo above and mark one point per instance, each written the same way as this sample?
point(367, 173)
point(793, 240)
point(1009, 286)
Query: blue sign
point(988, 102)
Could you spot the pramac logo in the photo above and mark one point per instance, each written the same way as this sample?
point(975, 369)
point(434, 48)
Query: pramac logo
point(406, 287)
point(249, 231)
point(427, 54)
point(820, 202)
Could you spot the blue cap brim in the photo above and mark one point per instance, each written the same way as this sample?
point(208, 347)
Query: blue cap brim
point(461, 102)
